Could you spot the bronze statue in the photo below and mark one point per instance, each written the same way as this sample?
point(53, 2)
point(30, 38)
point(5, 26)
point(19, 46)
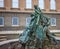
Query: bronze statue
point(37, 32)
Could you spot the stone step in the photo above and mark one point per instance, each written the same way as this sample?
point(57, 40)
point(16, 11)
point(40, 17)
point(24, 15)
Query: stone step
point(57, 35)
point(4, 39)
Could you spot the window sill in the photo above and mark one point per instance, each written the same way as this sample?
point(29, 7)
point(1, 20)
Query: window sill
point(52, 10)
point(53, 25)
point(1, 25)
point(28, 8)
point(33, 9)
point(15, 8)
point(2, 8)
point(15, 25)
point(43, 9)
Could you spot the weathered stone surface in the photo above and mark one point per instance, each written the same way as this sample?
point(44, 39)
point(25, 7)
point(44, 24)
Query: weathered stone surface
point(17, 45)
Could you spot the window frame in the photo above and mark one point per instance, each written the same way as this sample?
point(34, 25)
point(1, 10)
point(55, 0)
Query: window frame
point(43, 7)
point(2, 21)
point(2, 3)
point(27, 24)
point(52, 22)
point(28, 4)
point(16, 3)
point(51, 6)
point(13, 21)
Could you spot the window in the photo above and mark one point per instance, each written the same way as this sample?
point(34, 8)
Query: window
point(28, 21)
point(52, 4)
point(29, 4)
point(53, 21)
point(15, 21)
point(1, 3)
point(15, 3)
point(41, 4)
point(1, 21)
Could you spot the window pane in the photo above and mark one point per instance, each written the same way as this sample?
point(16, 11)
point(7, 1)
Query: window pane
point(15, 4)
point(28, 3)
point(1, 0)
point(53, 21)
point(41, 4)
point(28, 19)
point(52, 5)
point(15, 21)
point(1, 21)
point(1, 3)
point(14, 0)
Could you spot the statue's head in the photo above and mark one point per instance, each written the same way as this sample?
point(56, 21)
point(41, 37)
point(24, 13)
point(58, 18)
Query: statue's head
point(36, 7)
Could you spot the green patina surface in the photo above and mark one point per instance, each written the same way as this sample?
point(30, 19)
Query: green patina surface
point(37, 31)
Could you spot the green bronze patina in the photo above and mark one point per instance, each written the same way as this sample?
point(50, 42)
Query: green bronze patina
point(37, 31)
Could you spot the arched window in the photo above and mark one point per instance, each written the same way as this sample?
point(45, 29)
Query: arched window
point(41, 4)
point(29, 4)
point(1, 3)
point(52, 5)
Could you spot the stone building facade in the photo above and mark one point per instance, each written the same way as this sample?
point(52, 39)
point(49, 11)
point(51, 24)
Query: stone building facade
point(15, 14)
